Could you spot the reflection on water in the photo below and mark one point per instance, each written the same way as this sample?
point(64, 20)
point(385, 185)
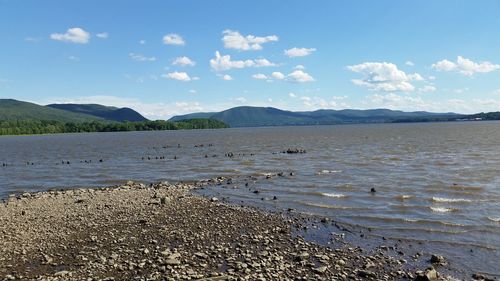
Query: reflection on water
point(433, 182)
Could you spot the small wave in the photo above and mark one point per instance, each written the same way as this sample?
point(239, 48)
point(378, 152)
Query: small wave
point(404, 197)
point(325, 206)
point(325, 172)
point(494, 219)
point(441, 209)
point(334, 195)
point(450, 200)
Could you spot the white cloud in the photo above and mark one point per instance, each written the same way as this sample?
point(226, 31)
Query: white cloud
point(427, 89)
point(180, 76)
point(73, 35)
point(409, 63)
point(299, 52)
point(270, 100)
point(292, 95)
point(465, 66)
point(192, 91)
point(221, 63)
point(313, 103)
point(384, 76)
point(241, 99)
point(227, 77)
point(400, 102)
point(300, 67)
point(416, 77)
point(234, 40)
point(102, 35)
point(259, 76)
point(299, 76)
point(142, 42)
point(278, 75)
point(173, 39)
point(183, 61)
point(140, 57)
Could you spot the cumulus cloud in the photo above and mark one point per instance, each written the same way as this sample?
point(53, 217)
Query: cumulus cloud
point(259, 76)
point(278, 75)
point(300, 66)
point(140, 57)
point(384, 76)
point(173, 39)
point(299, 52)
point(409, 63)
point(234, 40)
point(292, 95)
point(102, 35)
point(73, 35)
point(180, 76)
point(299, 76)
point(224, 62)
point(227, 77)
point(183, 61)
point(322, 103)
point(465, 66)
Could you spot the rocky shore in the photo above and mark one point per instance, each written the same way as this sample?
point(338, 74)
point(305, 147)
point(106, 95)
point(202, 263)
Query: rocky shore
point(165, 232)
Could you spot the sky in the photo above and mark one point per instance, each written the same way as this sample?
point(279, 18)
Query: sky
point(164, 58)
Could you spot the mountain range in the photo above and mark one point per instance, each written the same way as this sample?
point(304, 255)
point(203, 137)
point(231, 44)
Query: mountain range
point(242, 116)
point(247, 116)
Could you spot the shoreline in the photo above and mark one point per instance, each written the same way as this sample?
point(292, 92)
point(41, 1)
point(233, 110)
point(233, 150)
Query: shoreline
point(166, 232)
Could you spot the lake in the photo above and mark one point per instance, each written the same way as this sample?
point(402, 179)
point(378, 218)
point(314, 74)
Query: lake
point(437, 184)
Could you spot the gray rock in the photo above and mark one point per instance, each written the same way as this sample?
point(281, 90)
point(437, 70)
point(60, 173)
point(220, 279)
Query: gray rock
point(430, 274)
point(173, 262)
point(437, 259)
point(165, 200)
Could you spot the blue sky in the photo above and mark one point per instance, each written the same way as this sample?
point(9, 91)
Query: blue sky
point(164, 58)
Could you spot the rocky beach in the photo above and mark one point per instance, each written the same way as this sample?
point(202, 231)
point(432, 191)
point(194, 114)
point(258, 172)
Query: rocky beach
point(166, 232)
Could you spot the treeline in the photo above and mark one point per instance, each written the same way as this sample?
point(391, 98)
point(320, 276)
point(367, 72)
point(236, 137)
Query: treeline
point(486, 116)
point(425, 119)
point(31, 127)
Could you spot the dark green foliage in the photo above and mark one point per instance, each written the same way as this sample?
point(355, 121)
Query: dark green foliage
point(28, 127)
point(485, 116)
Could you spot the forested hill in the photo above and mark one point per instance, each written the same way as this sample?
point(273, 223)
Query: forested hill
point(101, 111)
point(248, 116)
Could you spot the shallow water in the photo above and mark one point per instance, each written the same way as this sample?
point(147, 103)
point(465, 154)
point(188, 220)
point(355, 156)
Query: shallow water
point(437, 183)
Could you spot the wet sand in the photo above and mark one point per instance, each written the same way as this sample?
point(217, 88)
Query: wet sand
point(165, 232)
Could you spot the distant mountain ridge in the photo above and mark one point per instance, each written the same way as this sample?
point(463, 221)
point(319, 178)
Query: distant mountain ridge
point(106, 112)
point(11, 109)
point(247, 116)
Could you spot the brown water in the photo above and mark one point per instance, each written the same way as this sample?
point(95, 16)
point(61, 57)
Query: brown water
point(437, 183)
